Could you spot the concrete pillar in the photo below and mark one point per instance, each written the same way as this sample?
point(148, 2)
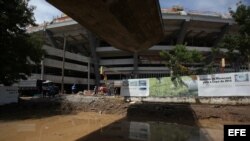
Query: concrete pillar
point(92, 45)
point(42, 69)
point(63, 63)
point(182, 33)
point(89, 75)
point(51, 38)
point(135, 71)
point(224, 30)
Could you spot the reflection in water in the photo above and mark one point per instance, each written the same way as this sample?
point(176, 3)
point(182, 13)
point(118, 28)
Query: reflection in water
point(139, 131)
point(147, 131)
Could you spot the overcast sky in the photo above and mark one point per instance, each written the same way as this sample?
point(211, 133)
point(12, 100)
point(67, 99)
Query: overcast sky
point(45, 12)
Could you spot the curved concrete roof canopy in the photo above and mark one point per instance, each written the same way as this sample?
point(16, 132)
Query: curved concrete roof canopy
point(130, 25)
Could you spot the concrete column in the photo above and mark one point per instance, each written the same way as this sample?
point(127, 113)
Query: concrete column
point(51, 38)
point(63, 64)
point(182, 33)
point(224, 30)
point(89, 75)
point(42, 69)
point(92, 45)
point(135, 71)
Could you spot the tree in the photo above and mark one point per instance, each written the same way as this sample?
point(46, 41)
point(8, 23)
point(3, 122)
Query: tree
point(176, 60)
point(17, 48)
point(238, 45)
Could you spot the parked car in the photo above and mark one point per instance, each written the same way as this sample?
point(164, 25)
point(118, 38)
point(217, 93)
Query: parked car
point(49, 89)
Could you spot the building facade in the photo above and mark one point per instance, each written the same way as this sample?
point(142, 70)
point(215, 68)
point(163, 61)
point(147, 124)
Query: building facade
point(85, 52)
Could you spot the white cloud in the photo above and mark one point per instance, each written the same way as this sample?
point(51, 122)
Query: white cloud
point(44, 11)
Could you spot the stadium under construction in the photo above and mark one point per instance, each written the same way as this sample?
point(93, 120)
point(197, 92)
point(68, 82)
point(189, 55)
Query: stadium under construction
point(84, 52)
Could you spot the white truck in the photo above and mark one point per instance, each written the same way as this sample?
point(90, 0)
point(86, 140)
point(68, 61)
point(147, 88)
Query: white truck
point(30, 87)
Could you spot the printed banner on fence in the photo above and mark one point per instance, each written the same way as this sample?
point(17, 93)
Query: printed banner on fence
point(226, 84)
point(165, 86)
point(135, 87)
point(8, 95)
point(160, 87)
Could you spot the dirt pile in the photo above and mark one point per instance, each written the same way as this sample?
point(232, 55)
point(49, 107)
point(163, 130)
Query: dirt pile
point(102, 105)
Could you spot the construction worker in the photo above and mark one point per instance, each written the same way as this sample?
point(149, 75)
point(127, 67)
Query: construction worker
point(74, 89)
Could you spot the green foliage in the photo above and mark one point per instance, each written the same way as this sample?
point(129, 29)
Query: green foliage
point(238, 45)
point(176, 60)
point(232, 44)
point(242, 17)
point(241, 41)
point(17, 47)
point(210, 59)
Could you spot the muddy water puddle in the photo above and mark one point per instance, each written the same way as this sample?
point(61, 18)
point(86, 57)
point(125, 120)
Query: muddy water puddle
point(101, 127)
point(153, 131)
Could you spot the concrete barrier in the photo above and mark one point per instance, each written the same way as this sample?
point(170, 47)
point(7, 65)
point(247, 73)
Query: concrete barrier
point(196, 100)
point(8, 94)
point(191, 100)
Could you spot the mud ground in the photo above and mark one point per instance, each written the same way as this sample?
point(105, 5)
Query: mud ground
point(61, 111)
point(185, 113)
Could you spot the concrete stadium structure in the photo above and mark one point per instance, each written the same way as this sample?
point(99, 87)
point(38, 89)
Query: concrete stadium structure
point(86, 52)
point(131, 25)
